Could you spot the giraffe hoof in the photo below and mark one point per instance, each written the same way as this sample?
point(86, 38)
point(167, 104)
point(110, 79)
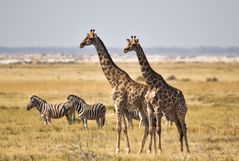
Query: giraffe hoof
point(139, 152)
point(117, 151)
point(159, 151)
point(128, 150)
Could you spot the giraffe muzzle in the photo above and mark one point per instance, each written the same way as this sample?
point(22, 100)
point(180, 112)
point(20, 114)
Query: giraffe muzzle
point(82, 45)
point(125, 50)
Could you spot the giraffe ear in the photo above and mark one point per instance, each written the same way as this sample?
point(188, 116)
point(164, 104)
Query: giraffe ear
point(137, 40)
point(94, 35)
point(128, 40)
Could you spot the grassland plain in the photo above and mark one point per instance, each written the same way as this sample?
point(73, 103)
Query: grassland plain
point(212, 118)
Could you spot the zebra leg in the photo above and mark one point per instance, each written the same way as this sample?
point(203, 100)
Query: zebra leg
point(69, 118)
point(45, 121)
point(98, 122)
point(48, 120)
point(126, 134)
point(131, 124)
point(85, 124)
point(140, 122)
point(129, 120)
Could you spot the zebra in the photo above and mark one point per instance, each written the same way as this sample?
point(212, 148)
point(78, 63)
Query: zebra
point(133, 114)
point(169, 119)
point(48, 111)
point(87, 112)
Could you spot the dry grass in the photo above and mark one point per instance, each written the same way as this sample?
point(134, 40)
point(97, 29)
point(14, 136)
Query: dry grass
point(212, 118)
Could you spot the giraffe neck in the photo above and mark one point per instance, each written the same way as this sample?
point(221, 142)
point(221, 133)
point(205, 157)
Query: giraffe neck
point(152, 78)
point(112, 72)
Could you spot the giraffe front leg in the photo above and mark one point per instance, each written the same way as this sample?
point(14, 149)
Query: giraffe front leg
point(158, 128)
point(126, 134)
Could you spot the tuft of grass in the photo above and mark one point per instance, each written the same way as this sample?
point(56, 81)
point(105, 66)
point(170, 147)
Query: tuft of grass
point(213, 79)
point(171, 77)
point(185, 79)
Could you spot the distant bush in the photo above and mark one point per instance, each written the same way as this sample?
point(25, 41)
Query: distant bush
point(140, 78)
point(213, 79)
point(171, 77)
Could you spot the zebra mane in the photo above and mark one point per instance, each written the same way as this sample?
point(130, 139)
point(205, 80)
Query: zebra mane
point(76, 97)
point(38, 98)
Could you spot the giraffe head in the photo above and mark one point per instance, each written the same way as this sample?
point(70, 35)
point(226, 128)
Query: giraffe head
point(89, 39)
point(132, 44)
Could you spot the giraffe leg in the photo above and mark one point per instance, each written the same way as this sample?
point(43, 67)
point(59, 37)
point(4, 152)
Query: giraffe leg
point(184, 131)
point(158, 126)
point(146, 129)
point(151, 129)
point(126, 134)
point(154, 139)
point(118, 129)
point(178, 125)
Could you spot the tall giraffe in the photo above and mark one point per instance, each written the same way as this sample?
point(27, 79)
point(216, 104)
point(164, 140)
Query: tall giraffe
point(126, 93)
point(161, 97)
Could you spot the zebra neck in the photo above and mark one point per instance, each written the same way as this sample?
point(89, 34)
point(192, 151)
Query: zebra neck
point(41, 106)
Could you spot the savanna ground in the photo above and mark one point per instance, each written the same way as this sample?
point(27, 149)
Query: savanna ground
point(212, 118)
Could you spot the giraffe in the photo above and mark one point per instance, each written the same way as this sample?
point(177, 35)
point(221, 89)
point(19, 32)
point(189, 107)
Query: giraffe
point(161, 97)
point(126, 93)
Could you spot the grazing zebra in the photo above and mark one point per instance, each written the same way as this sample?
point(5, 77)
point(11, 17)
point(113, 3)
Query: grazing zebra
point(49, 111)
point(169, 119)
point(87, 112)
point(133, 114)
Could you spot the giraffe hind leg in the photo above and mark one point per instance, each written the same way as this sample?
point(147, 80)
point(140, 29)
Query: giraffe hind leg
point(118, 130)
point(146, 130)
point(180, 131)
point(184, 131)
point(126, 134)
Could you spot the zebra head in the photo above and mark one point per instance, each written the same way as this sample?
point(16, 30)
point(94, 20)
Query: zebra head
point(73, 100)
point(34, 101)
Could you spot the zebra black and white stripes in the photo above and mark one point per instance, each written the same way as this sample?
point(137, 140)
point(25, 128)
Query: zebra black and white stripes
point(49, 111)
point(87, 112)
point(133, 114)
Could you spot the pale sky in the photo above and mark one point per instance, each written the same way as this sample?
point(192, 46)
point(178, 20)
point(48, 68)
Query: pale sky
point(157, 23)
